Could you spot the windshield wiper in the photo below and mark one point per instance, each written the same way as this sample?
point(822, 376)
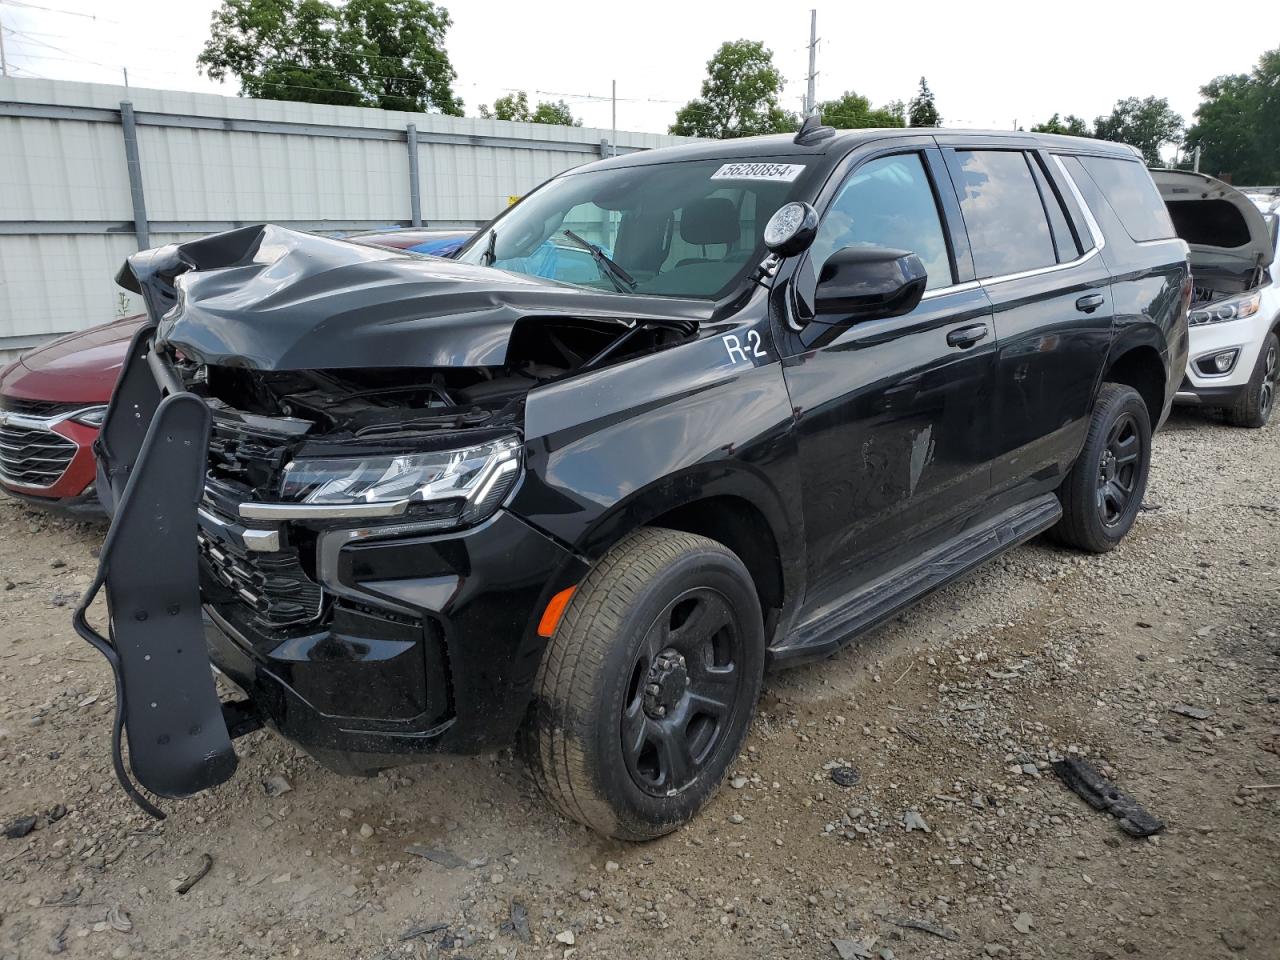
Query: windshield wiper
point(622, 281)
point(490, 250)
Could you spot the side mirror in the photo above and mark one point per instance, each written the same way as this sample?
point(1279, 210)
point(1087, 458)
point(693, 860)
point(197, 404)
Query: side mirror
point(870, 283)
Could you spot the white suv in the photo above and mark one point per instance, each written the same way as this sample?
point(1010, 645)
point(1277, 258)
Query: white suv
point(1235, 310)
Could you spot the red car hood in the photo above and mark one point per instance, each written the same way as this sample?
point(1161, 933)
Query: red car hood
point(80, 368)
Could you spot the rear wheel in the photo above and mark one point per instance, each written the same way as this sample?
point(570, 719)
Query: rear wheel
point(1103, 492)
point(1253, 409)
point(647, 688)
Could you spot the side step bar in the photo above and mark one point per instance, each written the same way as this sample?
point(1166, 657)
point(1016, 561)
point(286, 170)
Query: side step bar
point(152, 453)
point(826, 631)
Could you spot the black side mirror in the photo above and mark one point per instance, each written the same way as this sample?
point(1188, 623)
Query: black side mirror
point(870, 283)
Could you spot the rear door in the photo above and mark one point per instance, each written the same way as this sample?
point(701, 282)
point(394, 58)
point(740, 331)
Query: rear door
point(1037, 261)
point(892, 415)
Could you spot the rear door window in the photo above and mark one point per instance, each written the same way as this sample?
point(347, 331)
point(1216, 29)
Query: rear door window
point(1132, 194)
point(1064, 239)
point(1008, 229)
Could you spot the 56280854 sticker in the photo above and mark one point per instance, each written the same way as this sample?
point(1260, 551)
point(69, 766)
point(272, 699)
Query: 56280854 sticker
point(780, 172)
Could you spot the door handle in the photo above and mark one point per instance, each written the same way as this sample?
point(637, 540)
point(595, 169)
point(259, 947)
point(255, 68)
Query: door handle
point(1090, 303)
point(966, 337)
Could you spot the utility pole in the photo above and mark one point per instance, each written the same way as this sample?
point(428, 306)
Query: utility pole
point(811, 105)
point(1197, 162)
point(614, 98)
point(126, 77)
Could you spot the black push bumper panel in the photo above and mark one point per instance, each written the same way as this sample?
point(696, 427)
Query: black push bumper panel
point(152, 452)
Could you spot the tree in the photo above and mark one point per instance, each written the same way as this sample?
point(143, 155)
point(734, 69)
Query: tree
point(922, 111)
point(363, 53)
point(515, 106)
point(1238, 124)
point(851, 111)
point(1072, 126)
point(1147, 124)
point(739, 96)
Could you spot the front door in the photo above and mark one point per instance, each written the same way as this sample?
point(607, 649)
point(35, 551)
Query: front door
point(893, 415)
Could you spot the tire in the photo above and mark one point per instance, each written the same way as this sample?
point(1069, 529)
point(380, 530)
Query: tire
point(1103, 492)
point(1253, 409)
point(636, 654)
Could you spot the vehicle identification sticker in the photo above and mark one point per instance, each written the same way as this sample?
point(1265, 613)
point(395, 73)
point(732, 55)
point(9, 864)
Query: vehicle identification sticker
point(782, 172)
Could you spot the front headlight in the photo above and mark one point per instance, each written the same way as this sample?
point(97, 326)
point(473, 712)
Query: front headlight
point(453, 486)
point(1236, 308)
point(91, 417)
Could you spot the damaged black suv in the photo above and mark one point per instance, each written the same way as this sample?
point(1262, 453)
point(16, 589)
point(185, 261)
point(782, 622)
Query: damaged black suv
point(674, 418)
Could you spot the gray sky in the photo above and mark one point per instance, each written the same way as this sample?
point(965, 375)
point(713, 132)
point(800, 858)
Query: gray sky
point(989, 63)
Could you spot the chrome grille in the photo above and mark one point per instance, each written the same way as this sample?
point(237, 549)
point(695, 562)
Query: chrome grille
point(37, 408)
point(273, 585)
point(32, 456)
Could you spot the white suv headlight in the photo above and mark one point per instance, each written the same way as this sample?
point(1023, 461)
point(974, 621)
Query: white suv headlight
point(1234, 308)
point(455, 487)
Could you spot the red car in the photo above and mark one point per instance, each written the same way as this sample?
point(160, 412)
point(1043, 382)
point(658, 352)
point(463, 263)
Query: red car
point(52, 400)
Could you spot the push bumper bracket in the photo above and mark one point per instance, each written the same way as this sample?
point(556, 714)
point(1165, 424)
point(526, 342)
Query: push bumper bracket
point(166, 700)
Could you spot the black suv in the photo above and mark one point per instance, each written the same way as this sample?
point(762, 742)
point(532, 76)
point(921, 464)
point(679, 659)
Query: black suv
point(674, 418)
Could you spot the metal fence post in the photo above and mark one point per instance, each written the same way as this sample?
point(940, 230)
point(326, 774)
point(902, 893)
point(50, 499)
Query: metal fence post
point(415, 186)
point(141, 228)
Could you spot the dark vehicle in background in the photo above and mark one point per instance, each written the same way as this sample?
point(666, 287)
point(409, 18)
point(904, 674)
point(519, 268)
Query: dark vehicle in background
point(53, 398)
point(407, 505)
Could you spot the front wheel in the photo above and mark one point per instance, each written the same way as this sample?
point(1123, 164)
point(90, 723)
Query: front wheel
point(647, 688)
point(1253, 409)
point(1103, 492)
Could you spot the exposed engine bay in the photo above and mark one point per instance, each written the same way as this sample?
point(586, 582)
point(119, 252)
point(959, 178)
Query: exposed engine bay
point(368, 405)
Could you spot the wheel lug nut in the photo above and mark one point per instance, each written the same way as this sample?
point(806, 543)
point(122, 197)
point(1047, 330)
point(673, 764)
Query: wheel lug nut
point(661, 711)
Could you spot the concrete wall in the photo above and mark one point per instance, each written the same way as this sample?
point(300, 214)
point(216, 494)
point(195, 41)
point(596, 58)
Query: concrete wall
point(207, 163)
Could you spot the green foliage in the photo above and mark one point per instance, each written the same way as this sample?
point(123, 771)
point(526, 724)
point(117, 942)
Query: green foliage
point(1238, 124)
point(362, 53)
point(851, 111)
point(515, 106)
point(922, 111)
point(1072, 126)
point(1147, 124)
point(739, 97)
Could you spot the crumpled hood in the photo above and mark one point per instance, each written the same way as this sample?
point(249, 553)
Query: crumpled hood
point(269, 298)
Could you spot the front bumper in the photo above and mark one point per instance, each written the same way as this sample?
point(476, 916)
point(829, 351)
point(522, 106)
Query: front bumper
point(1245, 336)
point(365, 645)
point(426, 643)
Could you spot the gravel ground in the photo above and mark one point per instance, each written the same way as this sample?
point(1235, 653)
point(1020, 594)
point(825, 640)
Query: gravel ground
point(956, 840)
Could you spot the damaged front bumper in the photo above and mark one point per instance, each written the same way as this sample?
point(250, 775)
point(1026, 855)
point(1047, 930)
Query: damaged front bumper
point(367, 645)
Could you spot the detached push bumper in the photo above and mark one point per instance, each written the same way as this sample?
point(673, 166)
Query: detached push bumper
point(151, 465)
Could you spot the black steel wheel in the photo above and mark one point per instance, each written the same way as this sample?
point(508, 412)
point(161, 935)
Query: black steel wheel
point(683, 693)
point(646, 690)
point(1102, 493)
point(1119, 469)
point(1254, 407)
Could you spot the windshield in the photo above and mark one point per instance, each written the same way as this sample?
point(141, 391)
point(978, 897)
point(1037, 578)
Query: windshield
point(684, 229)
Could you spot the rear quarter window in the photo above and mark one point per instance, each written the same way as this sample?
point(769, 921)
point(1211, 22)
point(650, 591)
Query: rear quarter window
point(1132, 194)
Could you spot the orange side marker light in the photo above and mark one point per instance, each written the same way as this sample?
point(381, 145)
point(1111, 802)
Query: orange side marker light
point(555, 610)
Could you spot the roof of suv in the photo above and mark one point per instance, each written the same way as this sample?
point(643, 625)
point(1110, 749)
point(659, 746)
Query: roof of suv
point(784, 145)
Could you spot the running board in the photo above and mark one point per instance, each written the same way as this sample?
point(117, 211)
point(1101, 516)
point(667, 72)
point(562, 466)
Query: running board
point(825, 632)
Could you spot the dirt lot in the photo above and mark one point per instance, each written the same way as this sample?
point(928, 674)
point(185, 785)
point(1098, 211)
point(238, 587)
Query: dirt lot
point(950, 715)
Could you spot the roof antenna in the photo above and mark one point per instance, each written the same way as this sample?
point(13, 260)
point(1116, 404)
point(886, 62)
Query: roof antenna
point(813, 131)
